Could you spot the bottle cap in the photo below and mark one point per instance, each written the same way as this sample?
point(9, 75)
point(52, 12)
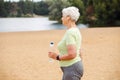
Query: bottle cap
point(51, 43)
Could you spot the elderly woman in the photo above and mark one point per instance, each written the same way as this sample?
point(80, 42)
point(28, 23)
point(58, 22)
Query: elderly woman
point(69, 47)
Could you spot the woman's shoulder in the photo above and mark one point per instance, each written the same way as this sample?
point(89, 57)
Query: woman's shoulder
point(72, 30)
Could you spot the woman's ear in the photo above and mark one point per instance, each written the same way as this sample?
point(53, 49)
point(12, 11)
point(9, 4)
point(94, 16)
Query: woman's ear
point(68, 18)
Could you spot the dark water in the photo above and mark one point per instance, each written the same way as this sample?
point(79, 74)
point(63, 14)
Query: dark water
point(30, 24)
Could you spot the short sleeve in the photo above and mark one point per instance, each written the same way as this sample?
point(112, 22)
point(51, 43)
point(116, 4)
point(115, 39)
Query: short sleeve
point(70, 39)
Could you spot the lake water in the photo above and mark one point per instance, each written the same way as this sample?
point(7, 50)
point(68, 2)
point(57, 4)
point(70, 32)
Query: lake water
point(30, 24)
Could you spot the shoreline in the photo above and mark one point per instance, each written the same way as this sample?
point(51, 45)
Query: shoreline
point(57, 30)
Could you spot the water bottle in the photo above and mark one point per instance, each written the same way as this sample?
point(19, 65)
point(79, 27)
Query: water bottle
point(51, 50)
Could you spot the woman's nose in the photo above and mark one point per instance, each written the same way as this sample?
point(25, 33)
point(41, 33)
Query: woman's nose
point(62, 18)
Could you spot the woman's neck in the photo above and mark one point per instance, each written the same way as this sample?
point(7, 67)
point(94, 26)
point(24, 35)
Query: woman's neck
point(71, 25)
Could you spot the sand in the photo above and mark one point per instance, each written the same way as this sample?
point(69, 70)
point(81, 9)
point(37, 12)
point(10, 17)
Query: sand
point(23, 55)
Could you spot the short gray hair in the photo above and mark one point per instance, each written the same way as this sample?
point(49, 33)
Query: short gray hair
point(72, 11)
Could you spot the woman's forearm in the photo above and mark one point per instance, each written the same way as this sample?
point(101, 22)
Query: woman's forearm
point(68, 56)
point(71, 49)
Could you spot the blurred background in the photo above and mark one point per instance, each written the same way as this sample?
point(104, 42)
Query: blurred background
point(24, 55)
point(26, 15)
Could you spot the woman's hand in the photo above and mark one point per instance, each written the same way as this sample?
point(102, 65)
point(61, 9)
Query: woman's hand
point(52, 55)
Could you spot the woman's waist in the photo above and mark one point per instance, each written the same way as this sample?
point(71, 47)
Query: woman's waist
point(65, 63)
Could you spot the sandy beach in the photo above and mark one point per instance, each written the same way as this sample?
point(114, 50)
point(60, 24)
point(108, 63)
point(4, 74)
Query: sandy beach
point(23, 55)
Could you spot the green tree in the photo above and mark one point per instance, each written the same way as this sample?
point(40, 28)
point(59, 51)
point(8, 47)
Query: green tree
point(25, 7)
point(3, 12)
point(57, 6)
point(80, 5)
point(7, 6)
point(21, 5)
point(41, 8)
point(106, 13)
point(56, 9)
point(13, 9)
point(19, 12)
point(28, 7)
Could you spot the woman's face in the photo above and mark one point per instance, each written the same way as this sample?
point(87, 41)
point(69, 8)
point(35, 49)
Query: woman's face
point(65, 20)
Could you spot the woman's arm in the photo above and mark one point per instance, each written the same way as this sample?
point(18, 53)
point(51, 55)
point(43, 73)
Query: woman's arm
point(70, 55)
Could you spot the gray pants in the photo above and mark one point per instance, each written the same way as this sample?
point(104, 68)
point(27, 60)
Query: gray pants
point(73, 72)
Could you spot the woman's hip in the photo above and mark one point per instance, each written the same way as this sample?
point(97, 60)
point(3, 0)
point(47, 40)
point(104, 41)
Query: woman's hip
point(76, 68)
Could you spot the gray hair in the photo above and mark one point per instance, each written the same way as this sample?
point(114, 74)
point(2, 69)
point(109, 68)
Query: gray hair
point(73, 12)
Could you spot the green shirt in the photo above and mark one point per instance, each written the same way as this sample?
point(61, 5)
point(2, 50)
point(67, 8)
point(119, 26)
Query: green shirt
point(72, 36)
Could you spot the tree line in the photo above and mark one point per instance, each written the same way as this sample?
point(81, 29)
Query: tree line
point(93, 12)
point(23, 8)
